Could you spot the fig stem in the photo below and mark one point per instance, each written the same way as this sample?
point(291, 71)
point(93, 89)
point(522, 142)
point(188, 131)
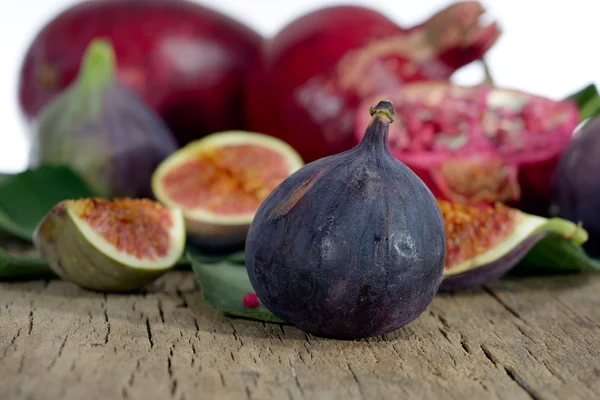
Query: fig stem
point(488, 74)
point(385, 108)
point(98, 64)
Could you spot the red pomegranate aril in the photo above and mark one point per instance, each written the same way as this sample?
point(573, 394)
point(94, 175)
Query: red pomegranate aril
point(250, 300)
point(480, 144)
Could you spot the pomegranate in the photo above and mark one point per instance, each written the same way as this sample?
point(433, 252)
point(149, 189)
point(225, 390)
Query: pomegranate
point(310, 78)
point(185, 60)
point(479, 144)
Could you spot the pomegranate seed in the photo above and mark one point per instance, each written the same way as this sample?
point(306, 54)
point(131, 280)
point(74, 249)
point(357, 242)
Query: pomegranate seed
point(251, 300)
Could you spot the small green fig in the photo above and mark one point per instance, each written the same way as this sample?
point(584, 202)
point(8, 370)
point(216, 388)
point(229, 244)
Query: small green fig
point(102, 130)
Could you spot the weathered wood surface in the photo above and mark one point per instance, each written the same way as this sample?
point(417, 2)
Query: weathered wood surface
point(518, 338)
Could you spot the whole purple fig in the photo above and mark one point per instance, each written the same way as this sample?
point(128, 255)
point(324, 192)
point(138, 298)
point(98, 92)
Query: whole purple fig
point(577, 184)
point(351, 245)
point(102, 130)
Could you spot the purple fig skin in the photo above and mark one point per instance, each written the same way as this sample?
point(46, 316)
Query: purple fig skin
point(142, 138)
point(489, 272)
point(577, 186)
point(350, 246)
point(102, 130)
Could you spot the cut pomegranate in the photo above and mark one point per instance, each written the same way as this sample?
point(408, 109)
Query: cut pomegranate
point(312, 75)
point(479, 144)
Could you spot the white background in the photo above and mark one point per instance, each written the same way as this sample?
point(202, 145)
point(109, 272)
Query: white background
point(548, 47)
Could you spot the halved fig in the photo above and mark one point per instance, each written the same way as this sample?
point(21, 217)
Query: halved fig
point(114, 245)
point(220, 180)
point(481, 143)
point(484, 242)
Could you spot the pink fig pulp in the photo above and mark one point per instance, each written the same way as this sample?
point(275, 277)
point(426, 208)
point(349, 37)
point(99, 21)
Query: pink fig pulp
point(310, 78)
point(480, 144)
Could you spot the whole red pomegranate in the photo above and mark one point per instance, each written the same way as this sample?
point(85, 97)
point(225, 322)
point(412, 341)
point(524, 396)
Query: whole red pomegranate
point(185, 60)
point(309, 79)
point(479, 144)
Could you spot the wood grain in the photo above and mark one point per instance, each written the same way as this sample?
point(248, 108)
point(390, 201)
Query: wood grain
point(518, 338)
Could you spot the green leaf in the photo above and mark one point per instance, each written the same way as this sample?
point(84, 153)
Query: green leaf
point(591, 109)
point(588, 101)
point(13, 268)
point(582, 96)
point(555, 254)
point(198, 255)
point(26, 197)
point(224, 283)
point(5, 177)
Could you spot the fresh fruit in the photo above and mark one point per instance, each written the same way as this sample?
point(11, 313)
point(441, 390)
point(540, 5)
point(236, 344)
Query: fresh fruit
point(111, 245)
point(250, 300)
point(307, 84)
point(484, 242)
point(480, 144)
point(102, 130)
point(220, 180)
point(577, 183)
point(185, 60)
point(349, 246)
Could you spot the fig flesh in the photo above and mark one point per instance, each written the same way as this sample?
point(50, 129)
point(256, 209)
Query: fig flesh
point(480, 144)
point(102, 130)
point(310, 78)
point(577, 183)
point(484, 242)
point(349, 246)
point(115, 245)
point(220, 180)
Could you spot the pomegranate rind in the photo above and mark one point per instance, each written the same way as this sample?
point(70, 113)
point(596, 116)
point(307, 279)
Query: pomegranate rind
point(77, 253)
point(506, 253)
point(219, 229)
point(529, 173)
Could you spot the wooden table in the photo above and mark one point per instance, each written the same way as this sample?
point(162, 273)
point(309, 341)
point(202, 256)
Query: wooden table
point(518, 338)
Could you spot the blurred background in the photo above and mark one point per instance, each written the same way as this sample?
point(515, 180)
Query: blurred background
point(547, 48)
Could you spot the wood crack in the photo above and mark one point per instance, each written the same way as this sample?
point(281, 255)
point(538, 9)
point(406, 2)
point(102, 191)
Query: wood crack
point(107, 335)
point(60, 351)
point(184, 303)
point(161, 313)
point(464, 344)
point(30, 329)
point(12, 342)
point(519, 381)
point(502, 302)
point(511, 373)
point(488, 355)
point(170, 372)
point(360, 389)
point(149, 333)
point(445, 335)
point(582, 320)
point(222, 377)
